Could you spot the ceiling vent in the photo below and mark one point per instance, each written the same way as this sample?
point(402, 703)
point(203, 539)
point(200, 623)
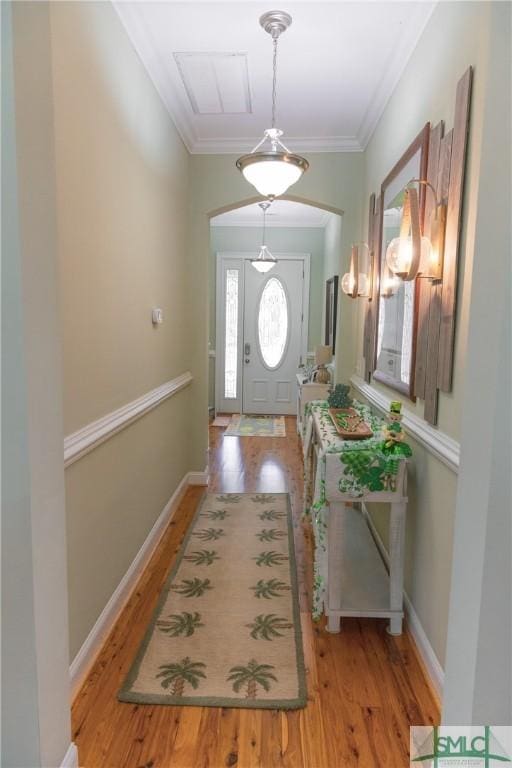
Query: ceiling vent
point(216, 83)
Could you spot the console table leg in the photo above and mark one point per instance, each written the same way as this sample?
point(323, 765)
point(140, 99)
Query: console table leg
point(396, 564)
point(336, 511)
point(395, 625)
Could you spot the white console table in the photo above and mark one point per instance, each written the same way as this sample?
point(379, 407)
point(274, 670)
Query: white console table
point(351, 578)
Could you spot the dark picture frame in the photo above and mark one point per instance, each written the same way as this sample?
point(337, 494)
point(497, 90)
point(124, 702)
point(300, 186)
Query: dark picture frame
point(331, 312)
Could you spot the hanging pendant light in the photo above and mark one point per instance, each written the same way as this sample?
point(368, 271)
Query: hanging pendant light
point(274, 169)
point(264, 260)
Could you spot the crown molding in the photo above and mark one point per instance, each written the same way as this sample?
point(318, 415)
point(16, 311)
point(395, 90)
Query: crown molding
point(394, 70)
point(295, 144)
point(175, 101)
point(247, 221)
point(250, 223)
point(147, 51)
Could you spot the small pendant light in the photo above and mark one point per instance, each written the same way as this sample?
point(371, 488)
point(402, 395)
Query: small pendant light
point(264, 261)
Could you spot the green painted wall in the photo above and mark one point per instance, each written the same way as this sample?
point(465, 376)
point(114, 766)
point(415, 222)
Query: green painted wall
point(122, 249)
point(459, 34)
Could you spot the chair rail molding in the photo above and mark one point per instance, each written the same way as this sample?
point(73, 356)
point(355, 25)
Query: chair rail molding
point(87, 438)
point(439, 444)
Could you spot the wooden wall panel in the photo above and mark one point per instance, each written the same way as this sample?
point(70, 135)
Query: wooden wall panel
point(374, 304)
point(435, 310)
point(368, 333)
point(437, 300)
point(453, 220)
point(424, 287)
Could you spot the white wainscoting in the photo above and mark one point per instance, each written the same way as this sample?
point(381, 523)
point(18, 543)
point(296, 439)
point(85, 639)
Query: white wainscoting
point(439, 444)
point(427, 653)
point(107, 618)
point(89, 437)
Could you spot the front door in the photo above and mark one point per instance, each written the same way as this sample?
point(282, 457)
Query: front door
point(272, 337)
point(261, 333)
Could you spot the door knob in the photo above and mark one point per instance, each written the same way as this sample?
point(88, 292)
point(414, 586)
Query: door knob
point(247, 360)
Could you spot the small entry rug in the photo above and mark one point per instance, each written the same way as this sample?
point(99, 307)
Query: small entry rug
point(226, 631)
point(221, 421)
point(256, 426)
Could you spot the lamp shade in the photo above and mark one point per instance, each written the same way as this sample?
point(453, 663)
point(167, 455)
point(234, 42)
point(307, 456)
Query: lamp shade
point(272, 172)
point(323, 355)
point(264, 261)
point(401, 260)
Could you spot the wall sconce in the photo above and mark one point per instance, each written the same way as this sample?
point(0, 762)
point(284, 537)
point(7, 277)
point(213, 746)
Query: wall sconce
point(355, 283)
point(389, 284)
point(411, 255)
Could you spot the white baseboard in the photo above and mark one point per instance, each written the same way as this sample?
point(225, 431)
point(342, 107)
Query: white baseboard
point(425, 650)
point(198, 478)
point(71, 757)
point(107, 618)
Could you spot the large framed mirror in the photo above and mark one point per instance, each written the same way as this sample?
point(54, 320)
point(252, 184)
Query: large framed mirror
point(398, 300)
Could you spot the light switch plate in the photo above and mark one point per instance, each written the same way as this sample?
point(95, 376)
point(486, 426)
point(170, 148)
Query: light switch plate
point(157, 316)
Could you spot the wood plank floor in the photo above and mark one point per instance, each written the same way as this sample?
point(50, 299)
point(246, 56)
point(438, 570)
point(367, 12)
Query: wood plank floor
point(365, 688)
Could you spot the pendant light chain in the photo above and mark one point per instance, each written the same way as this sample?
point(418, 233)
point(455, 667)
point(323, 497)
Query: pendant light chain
point(270, 166)
point(274, 82)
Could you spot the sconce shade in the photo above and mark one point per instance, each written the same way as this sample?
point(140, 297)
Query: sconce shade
point(348, 283)
point(355, 283)
point(403, 254)
point(390, 283)
point(411, 255)
point(323, 355)
point(402, 260)
point(363, 283)
point(432, 267)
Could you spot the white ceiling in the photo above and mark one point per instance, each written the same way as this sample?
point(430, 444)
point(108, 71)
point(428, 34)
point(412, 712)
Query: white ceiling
point(338, 65)
point(282, 213)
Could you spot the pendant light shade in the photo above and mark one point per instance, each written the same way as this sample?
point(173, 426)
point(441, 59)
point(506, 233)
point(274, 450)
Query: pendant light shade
point(273, 169)
point(272, 172)
point(264, 260)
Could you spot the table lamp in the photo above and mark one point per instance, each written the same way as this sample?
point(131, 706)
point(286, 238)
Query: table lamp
point(323, 356)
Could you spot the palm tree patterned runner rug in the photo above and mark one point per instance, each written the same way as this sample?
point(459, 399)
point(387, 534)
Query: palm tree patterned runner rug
point(226, 631)
point(241, 425)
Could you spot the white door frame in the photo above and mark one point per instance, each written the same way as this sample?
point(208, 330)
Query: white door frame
point(236, 259)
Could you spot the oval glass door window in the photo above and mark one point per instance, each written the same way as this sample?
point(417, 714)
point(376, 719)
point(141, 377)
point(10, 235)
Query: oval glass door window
point(273, 323)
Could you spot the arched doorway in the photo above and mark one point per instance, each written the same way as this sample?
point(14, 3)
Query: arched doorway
point(306, 238)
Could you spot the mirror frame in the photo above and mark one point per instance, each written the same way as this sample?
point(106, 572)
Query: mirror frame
point(420, 144)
